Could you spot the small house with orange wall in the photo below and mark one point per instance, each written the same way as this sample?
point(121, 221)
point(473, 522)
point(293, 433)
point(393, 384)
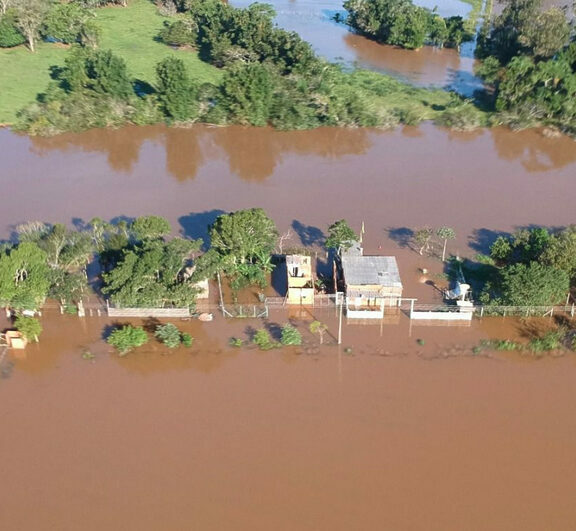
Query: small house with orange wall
point(300, 280)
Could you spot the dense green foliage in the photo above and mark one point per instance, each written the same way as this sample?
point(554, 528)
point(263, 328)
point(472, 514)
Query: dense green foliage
point(263, 339)
point(127, 338)
point(242, 242)
point(152, 274)
point(531, 267)
point(168, 334)
point(10, 35)
point(290, 335)
point(531, 65)
point(401, 23)
point(29, 327)
point(340, 236)
point(176, 94)
point(533, 284)
point(24, 276)
point(271, 76)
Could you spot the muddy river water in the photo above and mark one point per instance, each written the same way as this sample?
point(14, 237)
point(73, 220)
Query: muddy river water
point(393, 434)
point(390, 436)
point(313, 20)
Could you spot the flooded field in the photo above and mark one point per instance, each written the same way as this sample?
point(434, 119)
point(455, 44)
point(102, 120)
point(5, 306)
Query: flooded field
point(313, 21)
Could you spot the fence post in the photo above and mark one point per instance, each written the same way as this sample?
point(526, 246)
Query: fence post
point(481, 312)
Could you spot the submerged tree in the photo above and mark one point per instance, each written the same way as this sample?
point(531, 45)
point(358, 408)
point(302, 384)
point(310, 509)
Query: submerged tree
point(127, 338)
point(168, 334)
point(422, 238)
point(317, 327)
point(445, 234)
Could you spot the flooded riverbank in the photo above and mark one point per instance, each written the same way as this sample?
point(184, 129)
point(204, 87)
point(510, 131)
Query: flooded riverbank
point(313, 21)
point(223, 439)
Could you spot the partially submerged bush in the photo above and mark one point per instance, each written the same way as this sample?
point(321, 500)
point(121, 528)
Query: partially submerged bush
point(290, 335)
point(168, 334)
point(127, 338)
point(263, 339)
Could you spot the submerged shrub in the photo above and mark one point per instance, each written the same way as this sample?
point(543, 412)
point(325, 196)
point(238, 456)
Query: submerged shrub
point(168, 334)
point(127, 338)
point(290, 335)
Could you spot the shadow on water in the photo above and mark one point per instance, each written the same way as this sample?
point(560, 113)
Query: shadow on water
point(464, 82)
point(195, 225)
point(279, 278)
point(481, 239)
point(402, 236)
point(309, 235)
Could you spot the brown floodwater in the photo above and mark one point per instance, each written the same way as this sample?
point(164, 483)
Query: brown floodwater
point(390, 436)
point(396, 434)
point(313, 21)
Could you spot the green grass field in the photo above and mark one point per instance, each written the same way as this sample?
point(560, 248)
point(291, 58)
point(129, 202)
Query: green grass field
point(129, 32)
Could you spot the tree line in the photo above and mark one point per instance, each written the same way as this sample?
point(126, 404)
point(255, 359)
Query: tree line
point(532, 267)
point(270, 77)
point(401, 23)
point(529, 61)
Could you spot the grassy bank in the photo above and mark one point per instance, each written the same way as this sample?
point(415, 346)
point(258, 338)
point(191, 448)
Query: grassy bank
point(129, 32)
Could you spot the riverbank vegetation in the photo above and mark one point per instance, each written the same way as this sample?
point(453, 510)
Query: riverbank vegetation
point(253, 73)
point(529, 60)
point(532, 267)
point(205, 61)
point(402, 23)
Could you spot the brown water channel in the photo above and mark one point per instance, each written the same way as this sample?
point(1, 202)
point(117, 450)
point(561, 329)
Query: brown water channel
point(313, 21)
point(390, 436)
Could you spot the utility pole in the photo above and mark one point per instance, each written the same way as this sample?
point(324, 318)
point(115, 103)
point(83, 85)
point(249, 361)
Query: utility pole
point(340, 322)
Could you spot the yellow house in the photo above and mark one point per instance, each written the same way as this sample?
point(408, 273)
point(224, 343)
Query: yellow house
point(300, 280)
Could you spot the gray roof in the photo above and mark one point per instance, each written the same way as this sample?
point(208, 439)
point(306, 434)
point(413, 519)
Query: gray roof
point(371, 270)
point(355, 249)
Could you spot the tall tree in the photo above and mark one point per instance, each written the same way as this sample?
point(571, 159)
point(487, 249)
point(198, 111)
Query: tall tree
point(29, 18)
point(175, 91)
point(445, 234)
point(244, 236)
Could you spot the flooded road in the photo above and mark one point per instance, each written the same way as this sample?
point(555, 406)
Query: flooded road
point(215, 439)
point(313, 21)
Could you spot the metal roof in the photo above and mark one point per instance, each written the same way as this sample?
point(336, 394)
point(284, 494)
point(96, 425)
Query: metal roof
point(371, 270)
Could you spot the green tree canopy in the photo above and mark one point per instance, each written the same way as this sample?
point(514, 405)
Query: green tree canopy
point(340, 236)
point(176, 93)
point(168, 334)
point(150, 228)
point(533, 285)
point(244, 236)
point(24, 276)
point(29, 327)
point(152, 275)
